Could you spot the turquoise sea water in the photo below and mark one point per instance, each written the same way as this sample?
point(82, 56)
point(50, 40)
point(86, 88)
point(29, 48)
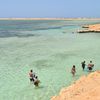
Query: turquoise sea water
point(50, 48)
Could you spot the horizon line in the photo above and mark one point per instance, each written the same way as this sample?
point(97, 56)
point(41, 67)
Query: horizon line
point(62, 18)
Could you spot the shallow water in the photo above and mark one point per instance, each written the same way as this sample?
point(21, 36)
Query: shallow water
point(50, 48)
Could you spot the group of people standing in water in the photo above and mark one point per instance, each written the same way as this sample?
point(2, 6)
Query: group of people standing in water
point(89, 67)
point(34, 79)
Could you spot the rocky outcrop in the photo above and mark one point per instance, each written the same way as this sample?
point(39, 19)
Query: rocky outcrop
point(86, 88)
point(90, 28)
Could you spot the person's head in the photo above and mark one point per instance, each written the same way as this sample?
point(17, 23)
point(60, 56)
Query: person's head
point(73, 66)
point(31, 70)
point(90, 61)
point(36, 77)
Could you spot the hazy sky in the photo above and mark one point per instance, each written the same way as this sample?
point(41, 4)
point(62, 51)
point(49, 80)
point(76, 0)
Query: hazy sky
point(49, 8)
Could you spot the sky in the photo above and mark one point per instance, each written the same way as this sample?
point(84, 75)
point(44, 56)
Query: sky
point(49, 8)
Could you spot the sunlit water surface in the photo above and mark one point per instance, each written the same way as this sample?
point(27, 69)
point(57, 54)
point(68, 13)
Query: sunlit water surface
point(50, 48)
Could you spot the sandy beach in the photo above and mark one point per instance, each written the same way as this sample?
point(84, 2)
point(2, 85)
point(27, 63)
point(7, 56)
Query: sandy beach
point(95, 28)
point(86, 88)
point(49, 18)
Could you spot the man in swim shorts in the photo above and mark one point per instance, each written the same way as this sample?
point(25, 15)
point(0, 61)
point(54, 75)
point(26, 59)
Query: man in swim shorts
point(90, 66)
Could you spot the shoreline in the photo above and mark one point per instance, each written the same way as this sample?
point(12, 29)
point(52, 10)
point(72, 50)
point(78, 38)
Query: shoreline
point(95, 28)
point(49, 18)
point(86, 88)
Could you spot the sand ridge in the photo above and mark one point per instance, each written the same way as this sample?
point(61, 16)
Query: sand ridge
point(95, 28)
point(86, 88)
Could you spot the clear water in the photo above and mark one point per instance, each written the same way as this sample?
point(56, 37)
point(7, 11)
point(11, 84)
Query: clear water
point(50, 48)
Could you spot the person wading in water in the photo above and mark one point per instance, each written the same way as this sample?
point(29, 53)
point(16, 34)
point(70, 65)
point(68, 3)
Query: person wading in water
point(83, 64)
